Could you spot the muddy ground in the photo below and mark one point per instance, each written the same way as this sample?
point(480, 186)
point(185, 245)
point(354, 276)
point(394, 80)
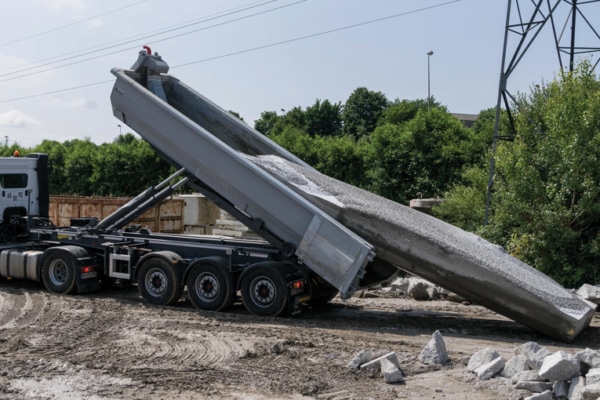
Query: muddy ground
point(112, 345)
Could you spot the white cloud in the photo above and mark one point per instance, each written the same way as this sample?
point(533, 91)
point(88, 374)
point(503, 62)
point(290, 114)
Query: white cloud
point(10, 62)
point(78, 103)
point(15, 118)
point(58, 5)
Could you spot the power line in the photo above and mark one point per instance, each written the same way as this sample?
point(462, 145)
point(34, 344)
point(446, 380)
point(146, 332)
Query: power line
point(314, 34)
point(142, 38)
point(71, 24)
point(250, 49)
point(156, 32)
point(56, 91)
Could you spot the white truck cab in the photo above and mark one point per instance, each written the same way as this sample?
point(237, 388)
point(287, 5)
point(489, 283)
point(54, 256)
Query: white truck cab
point(23, 187)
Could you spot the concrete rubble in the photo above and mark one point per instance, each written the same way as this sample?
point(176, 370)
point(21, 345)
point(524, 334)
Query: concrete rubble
point(589, 293)
point(435, 351)
point(388, 365)
point(561, 376)
point(557, 375)
point(459, 261)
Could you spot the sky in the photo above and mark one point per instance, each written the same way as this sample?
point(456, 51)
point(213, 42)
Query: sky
point(251, 56)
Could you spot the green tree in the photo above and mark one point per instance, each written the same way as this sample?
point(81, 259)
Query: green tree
point(323, 119)
point(361, 112)
point(57, 176)
point(126, 167)
point(424, 156)
point(546, 204)
point(401, 111)
point(79, 167)
point(266, 122)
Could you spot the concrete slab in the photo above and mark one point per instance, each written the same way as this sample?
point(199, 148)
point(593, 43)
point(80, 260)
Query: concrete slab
point(441, 253)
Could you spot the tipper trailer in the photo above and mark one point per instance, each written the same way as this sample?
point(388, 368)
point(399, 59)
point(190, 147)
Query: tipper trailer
point(90, 254)
point(320, 235)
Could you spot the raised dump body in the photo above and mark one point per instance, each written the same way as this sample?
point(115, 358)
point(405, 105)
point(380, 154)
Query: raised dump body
point(348, 236)
point(180, 123)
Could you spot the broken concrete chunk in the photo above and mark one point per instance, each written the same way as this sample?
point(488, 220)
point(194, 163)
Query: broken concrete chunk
point(591, 392)
point(487, 371)
point(589, 292)
point(536, 360)
point(455, 297)
point(435, 351)
point(589, 357)
point(362, 357)
point(516, 364)
point(390, 371)
point(534, 386)
point(561, 390)
point(419, 291)
point(400, 285)
point(547, 395)
point(576, 389)
point(530, 375)
point(593, 377)
point(559, 366)
point(376, 363)
point(528, 349)
point(481, 357)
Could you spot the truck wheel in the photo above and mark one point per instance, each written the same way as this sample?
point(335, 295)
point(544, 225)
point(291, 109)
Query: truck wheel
point(58, 273)
point(158, 283)
point(264, 291)
point(209, 287)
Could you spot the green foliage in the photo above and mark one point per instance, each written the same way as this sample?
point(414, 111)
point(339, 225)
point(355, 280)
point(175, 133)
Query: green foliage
point(362, 111)
point(421, 157)
point(124, 167)
point(266, 122)
point(401, 111)
point(464, 204)
point(547, 190)
point(323, 119)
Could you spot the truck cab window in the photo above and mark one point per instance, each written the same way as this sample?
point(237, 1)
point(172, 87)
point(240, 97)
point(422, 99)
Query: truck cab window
point(13, 181)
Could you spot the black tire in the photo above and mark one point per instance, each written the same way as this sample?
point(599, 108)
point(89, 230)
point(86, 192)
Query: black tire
point(58, 272)
point(158, 283)
point(264, 291)
point(210, 287)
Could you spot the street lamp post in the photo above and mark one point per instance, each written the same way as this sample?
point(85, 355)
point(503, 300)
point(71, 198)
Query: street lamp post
point(429, 54)
point(119, 126)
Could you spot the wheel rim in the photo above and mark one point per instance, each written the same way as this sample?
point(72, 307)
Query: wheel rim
point(206, 286)
point(156, 282)
point(58, 272)
point(263, 291)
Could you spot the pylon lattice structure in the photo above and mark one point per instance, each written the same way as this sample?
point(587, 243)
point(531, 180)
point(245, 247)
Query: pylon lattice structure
point(527, 21)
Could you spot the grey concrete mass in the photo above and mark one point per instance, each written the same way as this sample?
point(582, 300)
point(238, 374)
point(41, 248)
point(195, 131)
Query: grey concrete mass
point(442, 253)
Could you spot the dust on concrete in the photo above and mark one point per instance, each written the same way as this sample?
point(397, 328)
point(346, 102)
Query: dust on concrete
point(112, 345)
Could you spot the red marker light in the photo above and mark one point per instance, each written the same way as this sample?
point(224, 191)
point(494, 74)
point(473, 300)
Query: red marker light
point(87, 269)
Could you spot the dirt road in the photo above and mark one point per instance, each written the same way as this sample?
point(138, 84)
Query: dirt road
point(112, 345)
